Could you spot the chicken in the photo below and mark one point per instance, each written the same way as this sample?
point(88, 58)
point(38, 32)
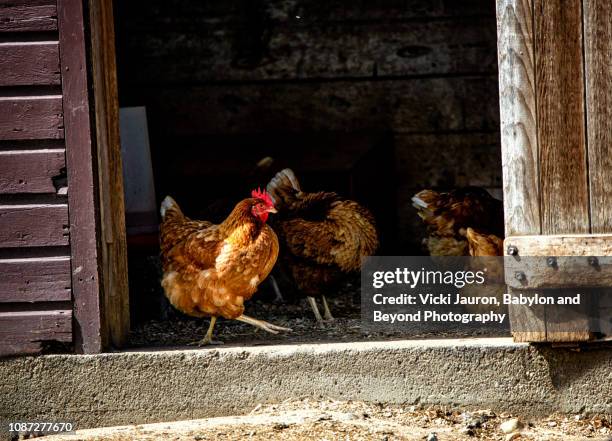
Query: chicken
point(485, 250)
point(483, 244)
point(323, 237)
point(447, 215)
point(211, 270)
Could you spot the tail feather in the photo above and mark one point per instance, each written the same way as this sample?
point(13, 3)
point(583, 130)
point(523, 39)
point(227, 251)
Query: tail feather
point(283, 186)
point(169, 205)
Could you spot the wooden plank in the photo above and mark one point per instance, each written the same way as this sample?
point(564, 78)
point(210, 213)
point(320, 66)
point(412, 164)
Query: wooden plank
point(151, 56)
point(528, 324)
point(110, 175)
point(31, 118)
point(30, 171)
point(31, 63)
point(196, 14)
point(568, 271)
point(564, 197)
point(24, 332)
point(468, 103)
point(561, 117)
point(598, 77)
point(430, 160)
point(33, 225)
point(562, 245)
point(28, 16)
point(35, 279)
point(517, 101)
point(80, 164)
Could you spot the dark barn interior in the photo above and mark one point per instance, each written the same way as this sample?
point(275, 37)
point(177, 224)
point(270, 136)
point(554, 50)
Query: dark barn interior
point(373, 99)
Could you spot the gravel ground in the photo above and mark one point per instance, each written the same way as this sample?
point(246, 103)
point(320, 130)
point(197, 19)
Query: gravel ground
point(179, 330)
point(334, 420)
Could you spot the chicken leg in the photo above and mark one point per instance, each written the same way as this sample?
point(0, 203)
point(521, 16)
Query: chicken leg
point(326, 312)
point(313, 304)
point(279, 296)
point(268, 327)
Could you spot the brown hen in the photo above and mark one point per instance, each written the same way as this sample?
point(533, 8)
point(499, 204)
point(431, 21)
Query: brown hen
point(211, 270)
point(483, 244)
point(323, 237)
point(447, 215)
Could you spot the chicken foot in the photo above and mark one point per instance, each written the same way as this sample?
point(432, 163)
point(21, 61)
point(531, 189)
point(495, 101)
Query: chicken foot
point(327, 316)
point(268, 327)
point(207, 340)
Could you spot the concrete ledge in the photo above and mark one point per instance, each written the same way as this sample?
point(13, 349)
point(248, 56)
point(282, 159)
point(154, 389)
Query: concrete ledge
point(154, 386)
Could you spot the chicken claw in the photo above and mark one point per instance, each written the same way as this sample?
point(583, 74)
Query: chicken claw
point(207, 340)
point(268, 327)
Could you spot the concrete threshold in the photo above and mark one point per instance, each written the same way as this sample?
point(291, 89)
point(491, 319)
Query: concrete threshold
point(136, 387)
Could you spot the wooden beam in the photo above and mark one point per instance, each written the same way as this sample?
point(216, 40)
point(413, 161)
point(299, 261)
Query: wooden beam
point(519, 139)
point(429, 47)
point(461, 104)
point(84, 227)
point(517, 104)
point(562, 245)
point(110, 174)
point(598, 76)
point(564, 195)
point(561, 117)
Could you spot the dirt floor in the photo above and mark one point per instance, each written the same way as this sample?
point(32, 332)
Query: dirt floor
point(334, 420)
point(180, 330)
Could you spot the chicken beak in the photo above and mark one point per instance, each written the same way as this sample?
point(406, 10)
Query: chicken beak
point(272, 210)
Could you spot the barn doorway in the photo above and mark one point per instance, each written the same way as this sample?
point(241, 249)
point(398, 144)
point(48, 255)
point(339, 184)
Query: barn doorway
point(373, 101)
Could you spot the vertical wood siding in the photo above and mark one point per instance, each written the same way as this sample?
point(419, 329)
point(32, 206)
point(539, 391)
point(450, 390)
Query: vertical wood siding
point(598, 73)
point(517, 101)
point(561, 116)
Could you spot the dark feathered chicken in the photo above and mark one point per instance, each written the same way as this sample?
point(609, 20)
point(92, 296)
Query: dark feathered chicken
point(323, 237)
point(448, 215)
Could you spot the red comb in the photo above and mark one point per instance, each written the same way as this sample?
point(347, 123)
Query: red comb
point(263, 196)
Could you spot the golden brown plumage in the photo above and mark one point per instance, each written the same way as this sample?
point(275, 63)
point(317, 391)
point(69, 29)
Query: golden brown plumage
point(484, 244)
point(485, 250)
point(447, 215)
point(323, 236)
point(211, 270)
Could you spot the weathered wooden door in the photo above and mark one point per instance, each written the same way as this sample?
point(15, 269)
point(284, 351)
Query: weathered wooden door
point(54, 256)
point(556, 125)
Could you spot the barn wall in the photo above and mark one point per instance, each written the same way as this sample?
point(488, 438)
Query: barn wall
point(35, 279)
point(423, 70)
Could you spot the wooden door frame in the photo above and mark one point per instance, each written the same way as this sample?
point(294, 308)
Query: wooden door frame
point(84, 226)
point(113, 246)
point(93, 159)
